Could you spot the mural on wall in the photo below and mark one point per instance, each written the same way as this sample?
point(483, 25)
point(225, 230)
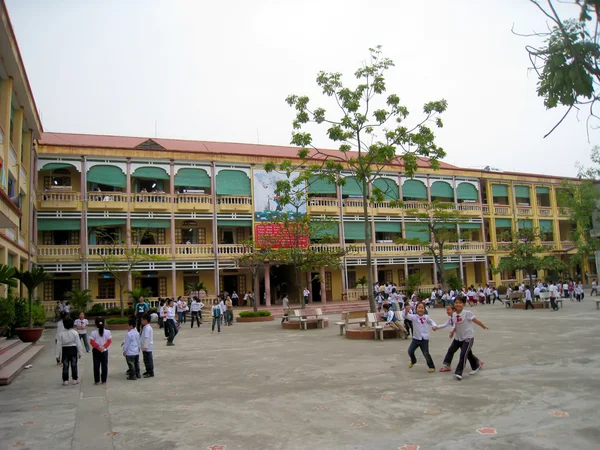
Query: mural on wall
point(266, 200)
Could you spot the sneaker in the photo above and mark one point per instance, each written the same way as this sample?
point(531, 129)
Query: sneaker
point(446, 369)
point(138, 376)
point(170, 344)
point(148, 375)
point(65, 383)
point(75, 381)
point(96, 384)
point(473, 372)
point(458, 377)
point(431, 370)
point(411, 365)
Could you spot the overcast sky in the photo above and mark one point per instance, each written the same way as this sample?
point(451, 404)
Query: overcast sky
point(220, 70)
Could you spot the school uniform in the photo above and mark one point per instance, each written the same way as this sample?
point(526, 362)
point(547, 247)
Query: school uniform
point(100, 346)
point(60, 327)
point(147, 344)
point(170, 324)
point(69, 342)
point(216, 314)
point(420, 339)
point(528, 302)
point(131, 348)
point(453, 347)
point(464, 337)
point(394, 322)
point(80, 326)
point(195, 308)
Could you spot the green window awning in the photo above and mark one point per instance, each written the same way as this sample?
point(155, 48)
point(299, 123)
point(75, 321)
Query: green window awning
point(470, 226)
point(352, 187)
point(450, 266)
point(106, 222)
point(417, 231)
point(192, 178)
point(503, 223)
point(388, 227)
point(540, 190)
point(466, 191)
point(522, 191)
point(546, 226)
point(58, 224)
point(107, 175)
point(153, 173)
point(442, 189)
point(233, 182)
point(322, 230)
point(388, 187)
point(234, 223)
point(499, 190)
point(150, 223)
point(354, 230)
point(525, 223)
point(55, 166)
point(414, 189)
point(318, 185)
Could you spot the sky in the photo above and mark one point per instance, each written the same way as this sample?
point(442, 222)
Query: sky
point(221, 70)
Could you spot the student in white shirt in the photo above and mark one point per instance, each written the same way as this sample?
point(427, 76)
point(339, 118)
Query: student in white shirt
point(235, 299)
point(465, 336)
point(421, 323)
point(170, 322)
point(80, 326)
point(216, 313)
point(306, 295)
point(528, 299)
point(536, 292)
point(379, 299)
point(196, 309)
point(131, 351)
point(181, 309)
point(594, 290)
point(553, 296)
point(68, 341)
point(495, 296)
point(392, 321)
point(67, 308)
point(100, 340)
point(60, 327)
point(147, 344)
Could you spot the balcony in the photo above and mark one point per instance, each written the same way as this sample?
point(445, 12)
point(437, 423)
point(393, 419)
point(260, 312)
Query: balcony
point(385, 209)
point(193, 202)
point(548, 245)
point(194, 251)
point(56, 199)
point(150, 201)
point(103, 251)
point(317, 205)
point(567, 245)
point(502, 210)
point(544, 211)
point(9, 212)
point(107, 201)
point(485, 209)
point(524, 211)
point(420, 206)
point(564, 212)
point(232, 250)
point(469, 209)
point(234, 204)
point(56, 253)
point(353, 206)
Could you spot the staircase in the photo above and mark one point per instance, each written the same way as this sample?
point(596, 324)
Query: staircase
point(14, 356)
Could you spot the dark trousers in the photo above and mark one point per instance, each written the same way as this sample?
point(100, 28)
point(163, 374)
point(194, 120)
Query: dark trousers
point(528, 304)
point(100, 361)
point(229, 316)
point(216, 320)
point(69, 358)
point(138, 322)
point(84, 338)
point(148, 362)
point(160, 322)
point(409, 327)
point(466, 354)
point(133, 366)
point(553, 304)
point(171, 329)
point(454, 347)
point(195, 316)
point(424, 345)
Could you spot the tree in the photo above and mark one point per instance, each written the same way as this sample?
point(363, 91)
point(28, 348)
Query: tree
point(139, 292)
point(31, 279)
point(119, 258)
point(8, 276)
point(371, 133)
point(526, 255)
point(566, 62)
point(439, 221)
point(195, 288)
point(362, 282)
point(80, 299)
point(253, 260)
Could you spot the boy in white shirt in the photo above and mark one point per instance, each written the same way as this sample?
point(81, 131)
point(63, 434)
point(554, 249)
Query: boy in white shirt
point(68, 341)
point(196, 309)
point(528, 299)
point(131, 351)
point(147, 344)
point(421, 323)
point(465, 336)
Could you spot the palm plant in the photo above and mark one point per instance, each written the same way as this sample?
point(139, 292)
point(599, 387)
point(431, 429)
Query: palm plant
point(362, 282)
point(31, 279)
point(137, 293)
point(196, 286)
point(80, 299)
point(7, 276)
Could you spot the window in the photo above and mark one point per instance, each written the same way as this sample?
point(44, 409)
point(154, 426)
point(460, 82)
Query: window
point(11, 186)
point(389, 276)
point(162, 287)
point(48, 291)
point(106, 288)
point(351, 279)
point(401, 277)
point(61, 178)
point(241, 285)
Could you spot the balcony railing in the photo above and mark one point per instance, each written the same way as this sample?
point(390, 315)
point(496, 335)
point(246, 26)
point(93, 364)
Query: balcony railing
point(469, 207)
point(544, 211)
point(352, 203)
point(98, 196)
point(12, 154)
point(564, 212)
point(502, 210)
point(60, 196)
point(548, 245)
point(233, 249)
point(323, 202)
point(415, 205)
point(150, 197)
point(58, 251)
point(567, 244)
point(485, 209)
point(106, 250)
point(233, 200)
point(195, 250)
point(524, 210)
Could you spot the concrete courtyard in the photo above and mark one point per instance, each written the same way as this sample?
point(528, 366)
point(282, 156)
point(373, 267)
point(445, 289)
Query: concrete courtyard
point(256, 386)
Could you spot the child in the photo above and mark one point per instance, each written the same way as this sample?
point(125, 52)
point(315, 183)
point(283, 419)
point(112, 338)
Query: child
point(147, 343)
point(421, 324)
point(392, 321)
point(68, 341)
point(471, 296)
point(463, 328)
point(131, 351)
point(170, 325)
point(452, 349)
point(379, 301)
point(196, 309)
point(80, 325)
point(60, 327)
point(216, 316)
point(100, 340)
point(528, 302)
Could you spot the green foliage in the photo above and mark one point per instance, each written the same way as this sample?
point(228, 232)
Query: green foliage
point(80, 299)
point(454, 282)
point(22, 314)
point(502, 290)
point(114, 311)
point(363, 283)
point(197, 286)
point(117, 320)
point(255, 313)
point(31, 279)
point(8, 276)
point(97, 310)
point(7, 309)
point(137, 293)
point(413, 282)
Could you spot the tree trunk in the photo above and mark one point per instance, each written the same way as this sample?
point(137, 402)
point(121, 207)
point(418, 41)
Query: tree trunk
point(368, 239)
point(121, 300)
point(299, 287)
point(441, 276)
point(30, 310)
point(255, 307)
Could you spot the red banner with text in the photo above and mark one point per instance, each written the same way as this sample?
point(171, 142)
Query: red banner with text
point(277, 235)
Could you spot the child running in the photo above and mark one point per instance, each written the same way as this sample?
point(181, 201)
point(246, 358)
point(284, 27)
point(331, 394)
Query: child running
point(452, 349)
point(421, 323)
point(392, 321)
point(465, 336)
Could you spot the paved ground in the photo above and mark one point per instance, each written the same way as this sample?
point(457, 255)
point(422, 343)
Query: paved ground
point(256, 386)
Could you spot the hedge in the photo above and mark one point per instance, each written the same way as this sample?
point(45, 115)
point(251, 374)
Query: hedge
point(254, 314)
point(117, 320)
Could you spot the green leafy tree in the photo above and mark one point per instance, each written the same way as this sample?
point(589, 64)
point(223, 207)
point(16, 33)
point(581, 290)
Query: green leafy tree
point(80, 299)
point(527, 255)
point(566, 62)
point(253, 260)
point(139, 292)
point(119, 258)
point(8, 276)
point(195, 288)
point(371, 131)
point(362, 282)
point(31, 279)
point(413, 282)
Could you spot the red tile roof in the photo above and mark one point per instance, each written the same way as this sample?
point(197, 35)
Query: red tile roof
point(180, 145)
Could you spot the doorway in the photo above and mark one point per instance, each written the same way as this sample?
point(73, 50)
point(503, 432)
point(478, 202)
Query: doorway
point(151, 283)
point(230, 284)
point(315, 286)
point(61, 287)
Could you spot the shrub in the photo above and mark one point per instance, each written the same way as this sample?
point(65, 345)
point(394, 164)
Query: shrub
point(454, 282)
point(117, 320)
point(153, 311)
point(255, 313)
point(7, 310)
point(502, 289)
point(97, 310)
point(114, 311)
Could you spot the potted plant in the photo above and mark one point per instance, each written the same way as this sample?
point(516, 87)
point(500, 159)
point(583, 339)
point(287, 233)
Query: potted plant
point(7, 307)
point(80, 299)
point(31, 279)
point(362, 282)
